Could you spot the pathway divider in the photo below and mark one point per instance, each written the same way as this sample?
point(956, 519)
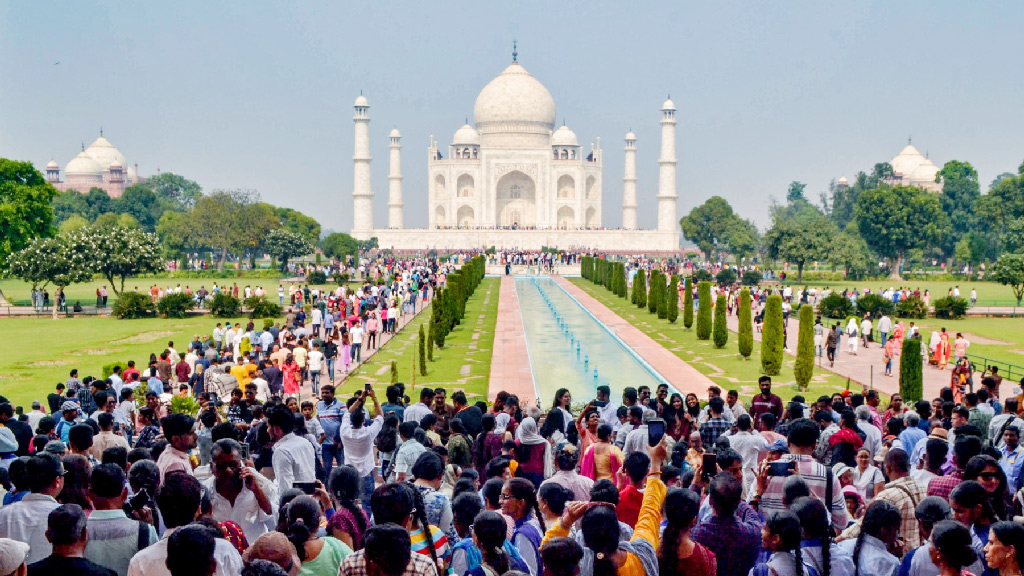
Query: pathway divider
point(680, 375)
point(510, 361)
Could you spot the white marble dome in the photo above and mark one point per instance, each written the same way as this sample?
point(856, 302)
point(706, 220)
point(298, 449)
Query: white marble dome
point(907, 161)
point(668, 105)
point(564, 137)
point(51, 165)
point(630, 136)
point(104, 153)
point(466, 135)
point(361, 101)
point(515, 96)
point(926, 172)
point(395, 133)
point(83, 165)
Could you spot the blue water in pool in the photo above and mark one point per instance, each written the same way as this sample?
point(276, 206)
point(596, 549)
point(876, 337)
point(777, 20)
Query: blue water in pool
point(568, 346)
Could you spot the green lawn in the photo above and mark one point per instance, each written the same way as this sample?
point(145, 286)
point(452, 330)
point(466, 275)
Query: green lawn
point(464, 362)
point(41, 352)
point(989, 293)
point(724, 366)
point(19, 293)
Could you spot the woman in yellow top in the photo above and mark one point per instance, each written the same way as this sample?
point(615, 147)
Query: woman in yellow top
point(604, 554)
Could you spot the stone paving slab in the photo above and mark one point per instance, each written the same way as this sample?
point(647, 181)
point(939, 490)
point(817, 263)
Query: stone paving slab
point(510, 364)
point(681, 375)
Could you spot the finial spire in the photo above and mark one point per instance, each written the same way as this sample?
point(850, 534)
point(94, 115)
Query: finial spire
point(908, 140)
point(83, 146)
point(515, 54)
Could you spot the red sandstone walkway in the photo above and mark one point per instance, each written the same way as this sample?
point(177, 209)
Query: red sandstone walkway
point(510, 364)
point(859, 368)
point(682, 376)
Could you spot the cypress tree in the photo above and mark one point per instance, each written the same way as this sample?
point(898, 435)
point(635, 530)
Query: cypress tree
point(688, 303)
point(632, 294)
point(673, 299)
point(640, 289)
point(653, 294)
point(438, 320)
point(804, 367)
point(662, 297)
point(431, 338)
point(721, 336)
point(772, 336)
point(423, 351)
point(746, 338)
point(394, 372)
point(911, 370)
point(703, 311)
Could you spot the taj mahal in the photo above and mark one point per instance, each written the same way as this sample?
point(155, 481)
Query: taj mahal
point(512, 180)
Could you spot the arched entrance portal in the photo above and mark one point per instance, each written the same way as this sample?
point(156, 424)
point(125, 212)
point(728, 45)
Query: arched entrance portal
point(516, 203)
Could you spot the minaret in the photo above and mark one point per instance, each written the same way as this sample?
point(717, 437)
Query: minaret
point(667, 170)
point(629, 184)
point(395, 181)
point(362, 193)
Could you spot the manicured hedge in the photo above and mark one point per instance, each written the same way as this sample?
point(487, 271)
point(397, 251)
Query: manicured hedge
point(803, 370)
point(772, 337)
point(704, 310)
point(721, 331)
point(746, 337)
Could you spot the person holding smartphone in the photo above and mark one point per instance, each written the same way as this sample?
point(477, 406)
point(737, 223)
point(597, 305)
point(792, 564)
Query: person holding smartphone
point(357, 440)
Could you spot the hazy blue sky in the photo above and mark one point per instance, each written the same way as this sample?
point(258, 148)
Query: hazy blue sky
point(258, 94)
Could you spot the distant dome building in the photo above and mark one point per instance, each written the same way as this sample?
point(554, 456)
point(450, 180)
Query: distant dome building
point(101, 165)
point(911, 168)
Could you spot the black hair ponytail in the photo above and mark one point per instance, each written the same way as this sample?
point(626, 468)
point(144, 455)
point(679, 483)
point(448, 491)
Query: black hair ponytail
point(489, 528)
point(681, 507)
point(420, 511)
point(303, 515)
point(814, 522)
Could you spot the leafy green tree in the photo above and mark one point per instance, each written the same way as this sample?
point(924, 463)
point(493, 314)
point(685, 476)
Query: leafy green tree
point(73, 222)
point(960, 192)
point(339, 245)
point(251, 229)
point(709, 224)
point(799, 241)
point(210, 221)
point(119, 253)
point(430, 341)
point(1009, 271)
point(742, 239)
point(653, 293)
point(68, 204)
point(176, 233)
point(896, 220)
point(704, 311)
point(299, 223)
point(911, 371)
point(721, 331)
point(772, 336)
point(851, 253)
point(803, 369)
point(141, 202)
point(746, 336)
point(688, 303)
point(672, 300)
point(1001, 208)
point(284, 244)
point(26, 212)
point(795, 193)
point(177, 189)
point(640, 289)
point(111, 220)
point(51, 260)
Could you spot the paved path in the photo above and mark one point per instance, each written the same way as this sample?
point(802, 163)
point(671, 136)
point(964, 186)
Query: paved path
point(510, 363)
point(682, 376)
point(859, 368)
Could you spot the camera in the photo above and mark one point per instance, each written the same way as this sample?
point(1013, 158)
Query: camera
point(136, 502)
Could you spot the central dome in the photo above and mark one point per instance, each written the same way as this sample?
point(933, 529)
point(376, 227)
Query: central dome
point(104, 153)
point(515, 96)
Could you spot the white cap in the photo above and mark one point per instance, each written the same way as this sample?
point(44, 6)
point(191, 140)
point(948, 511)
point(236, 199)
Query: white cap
point(12, 555)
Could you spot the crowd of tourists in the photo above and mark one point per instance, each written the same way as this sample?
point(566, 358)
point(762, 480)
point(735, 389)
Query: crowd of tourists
point(422, 482)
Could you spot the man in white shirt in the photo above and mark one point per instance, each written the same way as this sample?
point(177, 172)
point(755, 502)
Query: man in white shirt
point(748, 444)
point(178, 499)
point(865, 330)
point(315, 363)
point(885, 327)
point(25, 521)
point(417, 411)
point(705, 413)
point(238, 493)
point(356, 334)
point(294, 457)
point(608, 412)
point(637, 439)
point(357, 441)
point(36, 415)
point(407, 453)
point(873, 436)
point(732, 402)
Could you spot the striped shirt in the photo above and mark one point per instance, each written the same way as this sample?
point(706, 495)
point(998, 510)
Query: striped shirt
point(813, 474)
point(419, 542)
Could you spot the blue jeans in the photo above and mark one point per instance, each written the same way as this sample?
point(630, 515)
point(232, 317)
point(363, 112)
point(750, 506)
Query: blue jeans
point(885, 338)
point(330, 369)
point(330, 455)
point(357, 352)
point(314, 377)
point(368, 486)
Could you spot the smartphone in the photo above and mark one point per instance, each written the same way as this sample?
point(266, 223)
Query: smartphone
point(243, 451)
point(306, 487)
point(781, 468)
point(368, 387)
point(655, 431)
point(600, 403)
point(214, 399)
point(709, 466)
point(136, 502)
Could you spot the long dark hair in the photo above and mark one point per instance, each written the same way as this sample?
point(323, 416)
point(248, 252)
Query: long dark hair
point(681, 506)
point(953, 540)
point(786, 526)
point(344, 484)
point(523, 489)
point(303, 520)
point(555, 422)
point(880, 513)
point(420, 511)
point(814, 522)
point(489, 528)
point(998, 499)
point(601, 535)
point(487, 423)
point(396, 502)
point(558, 397)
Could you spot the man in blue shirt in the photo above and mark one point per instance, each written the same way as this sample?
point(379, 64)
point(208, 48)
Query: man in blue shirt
point(329, 411)
point(1012, 461)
